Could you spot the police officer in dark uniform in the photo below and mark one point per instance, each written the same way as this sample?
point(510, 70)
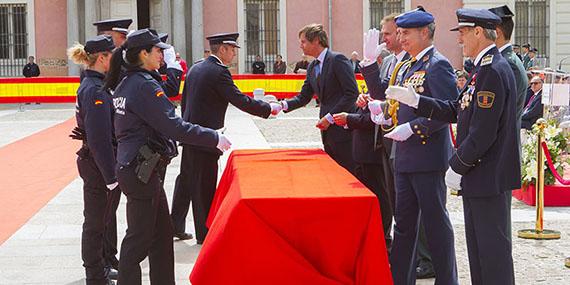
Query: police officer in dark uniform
point(486, 133)
point(116, 28)
point(208, 90)
point(96, 158)
point(423, 148)
point(145, 124)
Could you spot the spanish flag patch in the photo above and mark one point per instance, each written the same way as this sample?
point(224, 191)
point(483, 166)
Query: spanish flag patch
point(98, 102)
point(159, 93)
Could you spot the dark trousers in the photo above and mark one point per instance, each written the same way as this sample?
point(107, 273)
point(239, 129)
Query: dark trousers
point(110, 246)
point(341, 152)
point(488, 246)
point(374, 178)
point(422, 196)
point(149, 231)
point(203, 170)
point(92, 236)
point(423, 255)
point(182, 197)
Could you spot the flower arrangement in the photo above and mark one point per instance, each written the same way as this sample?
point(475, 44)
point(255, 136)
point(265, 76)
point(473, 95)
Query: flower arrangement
point(556, 141)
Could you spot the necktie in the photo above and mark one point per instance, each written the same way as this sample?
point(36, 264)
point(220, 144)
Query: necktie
point(317, 68)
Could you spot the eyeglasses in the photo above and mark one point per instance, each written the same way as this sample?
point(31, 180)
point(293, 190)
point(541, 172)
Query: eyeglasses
point(533, 83)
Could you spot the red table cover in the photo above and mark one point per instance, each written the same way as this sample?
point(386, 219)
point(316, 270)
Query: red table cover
point(291, 217)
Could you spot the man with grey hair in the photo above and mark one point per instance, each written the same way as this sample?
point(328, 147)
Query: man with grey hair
point(423, 148)
point(485, 156)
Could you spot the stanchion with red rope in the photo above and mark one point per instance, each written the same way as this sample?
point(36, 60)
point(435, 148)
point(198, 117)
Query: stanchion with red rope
point(551, 165)
point(539, 232)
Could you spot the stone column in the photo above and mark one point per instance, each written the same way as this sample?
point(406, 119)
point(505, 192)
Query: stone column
point(197, 30)
point(91, 15)
point(178, 35)
point(72, 33)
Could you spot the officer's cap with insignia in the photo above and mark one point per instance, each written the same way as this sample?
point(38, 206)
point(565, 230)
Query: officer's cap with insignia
point(502, 11)
point(143, 38)
point(162, 36)
point(117, 25)
point(224, 38)
point(468, 17)
point(99, 43)
point(416, 18)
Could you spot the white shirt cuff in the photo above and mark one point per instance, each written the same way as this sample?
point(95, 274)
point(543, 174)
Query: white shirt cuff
point(284, 105)
point(367, 62)
point(330, 118)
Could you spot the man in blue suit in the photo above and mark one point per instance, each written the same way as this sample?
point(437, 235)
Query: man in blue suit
point(485, 156)
point(534, 108)
point(423, 148)
point(331, 77)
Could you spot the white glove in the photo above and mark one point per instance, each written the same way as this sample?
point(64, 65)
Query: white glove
point(400, 133)
point(170, 59)
point(112, 186)
point(375, 107)
point(223, 142)
point(371, 48)
point(275, 108)
point(404, 95)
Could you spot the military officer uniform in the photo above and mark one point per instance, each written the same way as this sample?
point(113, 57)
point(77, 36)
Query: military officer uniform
point(420, 164)
point(485, 157)
point(208, 90)
point(96, 164)
point(145, 125)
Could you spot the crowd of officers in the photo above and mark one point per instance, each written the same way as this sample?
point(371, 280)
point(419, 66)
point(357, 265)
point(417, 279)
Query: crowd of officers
point(395, 139)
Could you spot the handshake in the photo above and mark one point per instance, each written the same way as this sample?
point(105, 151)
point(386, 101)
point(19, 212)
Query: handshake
point(277, 107)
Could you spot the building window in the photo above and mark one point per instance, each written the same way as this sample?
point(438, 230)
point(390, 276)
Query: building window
point(532, 25)
point(13, 39)
point(382, 8)
point(261, 32)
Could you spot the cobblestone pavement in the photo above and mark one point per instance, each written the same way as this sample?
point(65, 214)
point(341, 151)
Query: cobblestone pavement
point(47, 249)
point(536, 262)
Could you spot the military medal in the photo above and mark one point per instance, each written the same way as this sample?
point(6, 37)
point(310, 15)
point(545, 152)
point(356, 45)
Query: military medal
point(466, 98)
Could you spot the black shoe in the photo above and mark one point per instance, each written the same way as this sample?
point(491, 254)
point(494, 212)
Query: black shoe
point(199, 242)
point(424, 272)
point(111, 273)
point(183, 236)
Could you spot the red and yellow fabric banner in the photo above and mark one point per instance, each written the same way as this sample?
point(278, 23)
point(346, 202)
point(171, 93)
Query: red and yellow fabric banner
point(63, 89)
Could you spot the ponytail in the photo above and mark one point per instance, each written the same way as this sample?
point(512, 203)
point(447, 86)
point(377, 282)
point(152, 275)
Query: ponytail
point(118, 61)
point(78, 55)
point(112, 78)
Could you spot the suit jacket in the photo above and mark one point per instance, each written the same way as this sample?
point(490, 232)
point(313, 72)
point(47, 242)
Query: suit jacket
point(368, 143)
point(336, 89)
point(429, 148)
point(533, 111)
point(209, 89)
point(521, 82)
point(486, 128)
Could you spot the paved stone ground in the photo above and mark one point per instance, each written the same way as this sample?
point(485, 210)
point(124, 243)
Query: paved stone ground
point(47, 249)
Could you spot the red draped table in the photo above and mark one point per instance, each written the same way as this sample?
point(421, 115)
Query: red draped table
point(291, 217)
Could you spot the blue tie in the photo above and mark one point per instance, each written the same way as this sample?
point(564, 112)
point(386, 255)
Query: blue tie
point(317, 68)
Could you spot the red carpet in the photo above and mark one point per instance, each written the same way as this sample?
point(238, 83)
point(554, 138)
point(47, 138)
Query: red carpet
point(32, 171)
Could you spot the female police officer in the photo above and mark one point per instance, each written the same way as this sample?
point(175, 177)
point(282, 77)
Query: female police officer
point(145, 123)
point(96, 161)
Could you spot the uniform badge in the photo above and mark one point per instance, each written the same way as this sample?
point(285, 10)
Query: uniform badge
point(159, 93)
point(485, 99)
point(98, 102)
point(487, 60)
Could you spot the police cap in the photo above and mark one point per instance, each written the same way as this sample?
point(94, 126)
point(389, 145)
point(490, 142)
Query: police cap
point(118, 25)
point(468, 17)
point(502, 11)
point(224, 38)
point(162, 36)
point(99, 43)
point(416, 18)
point(144, 37)
point(526, 46)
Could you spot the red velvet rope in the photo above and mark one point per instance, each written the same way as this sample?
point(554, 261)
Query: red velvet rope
point(452, 136)
point(551, 166)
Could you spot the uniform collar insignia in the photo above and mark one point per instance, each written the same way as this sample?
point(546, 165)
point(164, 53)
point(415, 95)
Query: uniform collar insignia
point(488, 59)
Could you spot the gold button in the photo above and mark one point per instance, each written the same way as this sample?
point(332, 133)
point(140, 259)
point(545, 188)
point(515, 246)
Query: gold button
point(419, 132)
point(423, 142)
point(422, 136)
point(415, 126)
